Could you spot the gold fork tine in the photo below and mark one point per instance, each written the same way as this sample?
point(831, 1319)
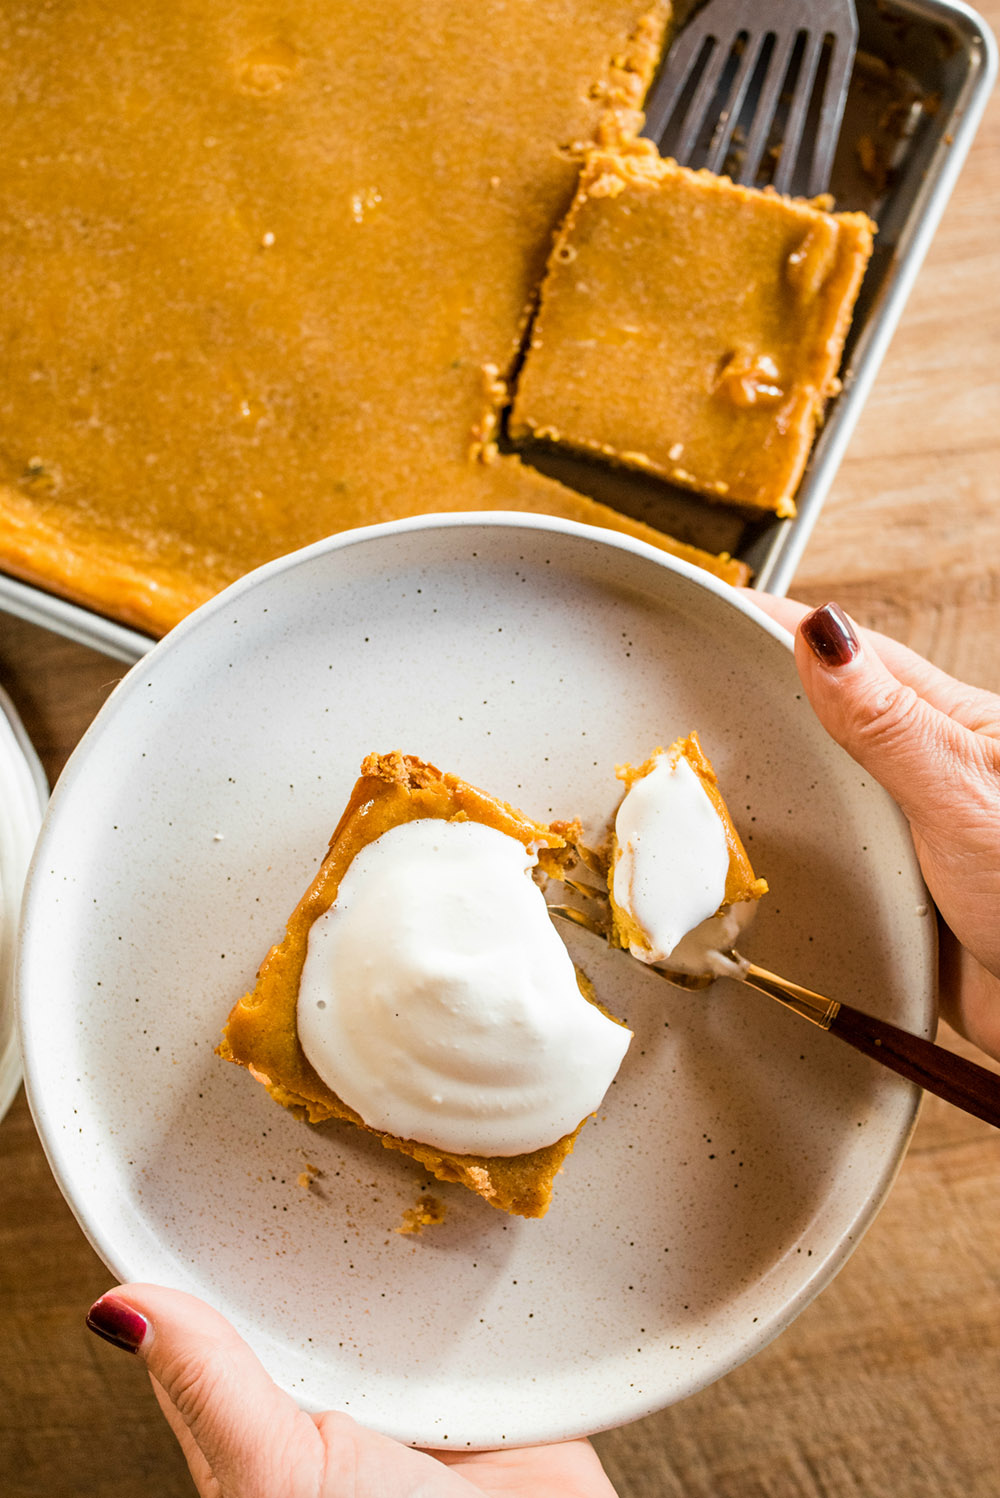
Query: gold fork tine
point(586, 890)
point(692, 982)
point(578, 918)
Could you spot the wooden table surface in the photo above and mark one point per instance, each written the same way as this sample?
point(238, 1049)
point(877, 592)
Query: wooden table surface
point(889, 1384)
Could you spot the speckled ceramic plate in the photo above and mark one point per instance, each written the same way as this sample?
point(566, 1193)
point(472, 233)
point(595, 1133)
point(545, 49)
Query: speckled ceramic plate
point(737, 1159)
point(23, 794)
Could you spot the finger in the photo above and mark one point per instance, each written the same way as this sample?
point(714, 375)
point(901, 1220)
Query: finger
point(784, 611)
point(197, 1465)
point(976, 709)
point(906, 743)
point(248, 1431)
point(570, 1469)
point(363, 1462)
point(970, 995)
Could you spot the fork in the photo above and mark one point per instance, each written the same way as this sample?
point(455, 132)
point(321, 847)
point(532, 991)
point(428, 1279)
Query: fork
point(963, 1083)
point(743, 79)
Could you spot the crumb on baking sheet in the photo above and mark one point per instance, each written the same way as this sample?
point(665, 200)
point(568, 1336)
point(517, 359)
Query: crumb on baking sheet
point(426, 1214)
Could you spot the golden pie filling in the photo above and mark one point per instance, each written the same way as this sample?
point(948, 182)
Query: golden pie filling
point(421, 991)
point(691, 327)
point(267, 277)
point(265, 274)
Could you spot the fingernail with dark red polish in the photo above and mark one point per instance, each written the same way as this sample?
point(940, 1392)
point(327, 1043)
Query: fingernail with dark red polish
point(830, 635)
point(116, 1322)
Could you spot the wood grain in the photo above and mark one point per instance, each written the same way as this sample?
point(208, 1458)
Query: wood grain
point(888, 1384)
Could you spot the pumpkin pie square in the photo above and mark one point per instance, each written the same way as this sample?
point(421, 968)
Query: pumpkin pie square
point(261, 1033)
point(691, 327)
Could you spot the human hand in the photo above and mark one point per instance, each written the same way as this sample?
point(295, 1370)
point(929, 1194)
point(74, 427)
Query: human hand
point(243, 1437)
point(934, 744)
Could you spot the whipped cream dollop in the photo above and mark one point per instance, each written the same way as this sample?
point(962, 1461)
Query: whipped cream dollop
point(671, 861)
point(438, 1001)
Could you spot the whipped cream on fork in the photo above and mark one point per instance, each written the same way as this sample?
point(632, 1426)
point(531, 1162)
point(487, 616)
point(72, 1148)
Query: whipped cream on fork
point(671, 858)
point(670, 870)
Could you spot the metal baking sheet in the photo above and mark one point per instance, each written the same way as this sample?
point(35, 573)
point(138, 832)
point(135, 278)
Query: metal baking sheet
point(930, 65)
point(950, 53)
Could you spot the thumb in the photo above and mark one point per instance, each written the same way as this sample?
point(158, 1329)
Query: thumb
point(233, 1423)
point(912, 748)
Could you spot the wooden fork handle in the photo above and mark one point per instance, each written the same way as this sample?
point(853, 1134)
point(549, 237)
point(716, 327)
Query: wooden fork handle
point(964, 1083)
